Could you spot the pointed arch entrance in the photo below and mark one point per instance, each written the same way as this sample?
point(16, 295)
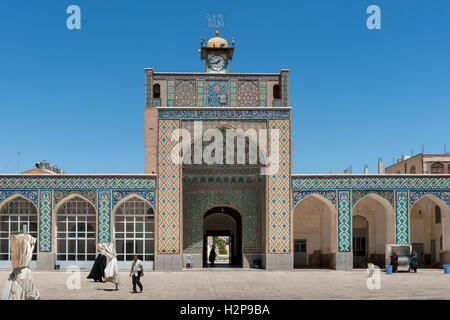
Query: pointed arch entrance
point(237, 182)
point(75, 231)
point(314, 232)
point(17, 214)
point(134, 226)
point(223, 223)
point(373, 226)
point(429, 229)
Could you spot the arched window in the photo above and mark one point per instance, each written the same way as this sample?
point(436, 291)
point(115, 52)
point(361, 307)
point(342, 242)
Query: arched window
point(437, 214)
point(156, 91)
point(134, 230)
point(17, 215)
point(437, 167)
point(75, 231)
point(276, 92)
point(412, 169)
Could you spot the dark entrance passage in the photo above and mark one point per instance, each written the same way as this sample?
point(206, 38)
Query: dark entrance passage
point(223, 224)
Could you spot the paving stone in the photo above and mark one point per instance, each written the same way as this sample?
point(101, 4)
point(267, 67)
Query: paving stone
point(250, 284)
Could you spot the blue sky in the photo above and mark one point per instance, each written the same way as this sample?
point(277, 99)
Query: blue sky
point(76, 97)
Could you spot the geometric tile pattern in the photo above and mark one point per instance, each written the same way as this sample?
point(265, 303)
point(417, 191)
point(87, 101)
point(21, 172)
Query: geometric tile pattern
point(401, 217)
point(248, 93)
point(385, 194)
point(170, 93)
point(371, 182)
point(147, 195)
point(245, 114)
point(233, 124)
point(200, 93)
point(395, 189)
point(47, 191)
point(148, 90)
point(214, 90)
point(185, 93)
point(168, 192)
point(262, 93)
point(279, 196)
point(415, 195)
point(198, 202)
point(45, 220)
point(91, 195)
point(30, 195)
point(285, 90)
point(344, 222)
point(297, 196)
point(104, 216)
point(77, 182)
point(233, 93)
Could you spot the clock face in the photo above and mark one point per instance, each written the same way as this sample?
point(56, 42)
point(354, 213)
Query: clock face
point(216, 63)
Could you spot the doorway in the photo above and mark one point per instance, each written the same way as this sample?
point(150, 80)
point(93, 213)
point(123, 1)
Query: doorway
point(359, 247)
point(299, 253)
point(419, 249)
point(222, 227)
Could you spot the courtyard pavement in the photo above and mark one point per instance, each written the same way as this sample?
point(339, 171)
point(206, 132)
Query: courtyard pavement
point(229, 284)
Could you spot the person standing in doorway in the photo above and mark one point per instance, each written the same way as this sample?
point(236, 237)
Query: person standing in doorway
point(212, 254)
point(136, 272)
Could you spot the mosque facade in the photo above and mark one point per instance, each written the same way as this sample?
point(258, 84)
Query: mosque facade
point(196, 186)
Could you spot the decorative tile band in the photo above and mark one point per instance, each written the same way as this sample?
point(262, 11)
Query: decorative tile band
point(262, 93)
point(45, 220)
point(77, 182)
point(148, 195)
point(374, 182)
point(415, 195)
point(148, 90)
point(104, 216)
point(278, 228)
point(401, 217)
point(91, 195)
point(223, 114)
point(385, 194)
point(233, 93)
point(169, 192)
point(30, 195)
point(344, 221)
point(170, 93)
point(285, 90)
point(215, 76)
point(298, 196)
point(200, 93)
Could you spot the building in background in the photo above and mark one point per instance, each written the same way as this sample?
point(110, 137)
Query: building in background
point(421, 164)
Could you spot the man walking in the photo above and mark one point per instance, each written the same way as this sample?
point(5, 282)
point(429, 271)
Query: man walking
point(136, 272)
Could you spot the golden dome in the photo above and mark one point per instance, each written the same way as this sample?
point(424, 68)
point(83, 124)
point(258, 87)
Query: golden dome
point(217, 42)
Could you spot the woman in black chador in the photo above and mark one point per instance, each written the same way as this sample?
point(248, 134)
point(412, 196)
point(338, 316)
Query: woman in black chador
point(98, 269)
point(394, 262)
point(212, 254)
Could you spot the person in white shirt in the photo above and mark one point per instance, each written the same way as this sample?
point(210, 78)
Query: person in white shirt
point(136, 272)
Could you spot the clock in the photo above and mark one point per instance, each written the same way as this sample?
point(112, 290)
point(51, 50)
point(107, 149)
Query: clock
point(216, 63)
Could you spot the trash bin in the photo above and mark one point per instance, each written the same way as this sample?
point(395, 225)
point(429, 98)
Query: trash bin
point(257, 264)
point(388, 269)
point(447, 268)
